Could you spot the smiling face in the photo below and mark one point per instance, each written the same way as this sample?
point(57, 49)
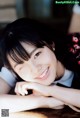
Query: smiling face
point(41, 67)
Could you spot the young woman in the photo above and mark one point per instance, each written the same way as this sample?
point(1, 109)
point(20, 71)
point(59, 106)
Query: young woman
point(43, 62)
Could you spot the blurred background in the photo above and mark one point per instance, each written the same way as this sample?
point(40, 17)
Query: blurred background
point(47, 11)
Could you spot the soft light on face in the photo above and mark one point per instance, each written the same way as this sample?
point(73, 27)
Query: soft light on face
point(40, 68)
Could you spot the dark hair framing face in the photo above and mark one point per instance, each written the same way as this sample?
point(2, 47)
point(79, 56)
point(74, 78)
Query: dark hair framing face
point(23, 30)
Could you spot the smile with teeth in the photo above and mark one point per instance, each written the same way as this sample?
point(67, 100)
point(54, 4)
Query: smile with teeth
point(44, 74)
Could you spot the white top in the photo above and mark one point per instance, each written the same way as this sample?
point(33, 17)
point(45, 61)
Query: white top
point(66, 79)
point(8, 76)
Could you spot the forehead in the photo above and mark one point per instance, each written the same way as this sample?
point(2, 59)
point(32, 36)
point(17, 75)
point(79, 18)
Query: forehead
point(28, 47)
point(11, 61)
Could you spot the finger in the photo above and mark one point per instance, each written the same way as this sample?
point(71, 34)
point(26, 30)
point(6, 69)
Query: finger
point(20, 90)
point(34, 87)
point(28, 86)
point(16, 91)
point(24, 91)
point(37, 87)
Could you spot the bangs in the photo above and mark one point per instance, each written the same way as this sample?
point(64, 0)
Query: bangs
point(31, 33)
point(18, 52)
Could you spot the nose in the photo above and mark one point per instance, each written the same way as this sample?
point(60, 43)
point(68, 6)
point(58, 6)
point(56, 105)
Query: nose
point(35, 68)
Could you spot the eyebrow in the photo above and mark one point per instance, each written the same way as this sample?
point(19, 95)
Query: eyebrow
point(29, 54)
point(15, 65)
point(33, 51)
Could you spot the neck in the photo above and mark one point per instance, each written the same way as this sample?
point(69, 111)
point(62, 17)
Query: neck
point(60, 70)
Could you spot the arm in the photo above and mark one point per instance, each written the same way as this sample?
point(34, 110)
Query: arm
point(20, 103)
point(4, 87)
point(67, 95)
point(22, 87)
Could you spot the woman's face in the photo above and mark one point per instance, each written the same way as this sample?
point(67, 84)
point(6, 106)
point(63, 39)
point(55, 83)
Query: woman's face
point(41, 66)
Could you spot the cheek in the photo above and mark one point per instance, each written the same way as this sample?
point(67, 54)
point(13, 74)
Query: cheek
point(25, 74)
point(48, 57)
point(44, 58)
point(52, 61)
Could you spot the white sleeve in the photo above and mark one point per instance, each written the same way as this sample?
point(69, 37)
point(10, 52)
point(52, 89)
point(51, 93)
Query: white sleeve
point(8, 76)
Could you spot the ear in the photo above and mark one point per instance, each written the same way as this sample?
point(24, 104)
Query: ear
point(53, 45)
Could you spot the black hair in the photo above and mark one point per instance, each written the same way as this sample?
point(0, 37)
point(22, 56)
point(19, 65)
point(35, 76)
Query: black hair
point(37, 34)
point(23, 30)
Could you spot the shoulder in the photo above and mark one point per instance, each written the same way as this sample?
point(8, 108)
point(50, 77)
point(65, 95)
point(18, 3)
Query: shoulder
point(4, 86)
point(7, 76)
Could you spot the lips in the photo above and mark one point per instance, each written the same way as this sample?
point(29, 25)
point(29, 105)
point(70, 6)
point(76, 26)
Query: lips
point(44, 74)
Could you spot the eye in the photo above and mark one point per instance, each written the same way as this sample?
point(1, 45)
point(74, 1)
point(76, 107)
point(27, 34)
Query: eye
point(18, 66)
point(37, 54)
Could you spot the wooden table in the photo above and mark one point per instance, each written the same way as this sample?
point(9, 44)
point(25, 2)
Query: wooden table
point(27, 115)
point(46, 113)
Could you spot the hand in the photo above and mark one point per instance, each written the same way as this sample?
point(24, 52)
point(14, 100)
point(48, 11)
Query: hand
point(38, 89)
point(43, 102)
point(19, 88)
point(54, 103)
point(50, 102)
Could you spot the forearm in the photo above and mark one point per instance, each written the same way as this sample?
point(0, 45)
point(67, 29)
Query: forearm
point(67, 95)
point(54, 103)
point(19, 103)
